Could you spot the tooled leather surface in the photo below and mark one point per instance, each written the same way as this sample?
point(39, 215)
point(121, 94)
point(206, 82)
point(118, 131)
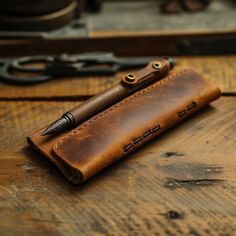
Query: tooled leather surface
point(101, 140)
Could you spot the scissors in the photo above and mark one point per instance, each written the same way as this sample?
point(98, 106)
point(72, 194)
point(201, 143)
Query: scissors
point(52, 67)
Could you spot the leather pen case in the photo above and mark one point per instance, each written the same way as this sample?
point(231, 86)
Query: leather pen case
point(112, 134)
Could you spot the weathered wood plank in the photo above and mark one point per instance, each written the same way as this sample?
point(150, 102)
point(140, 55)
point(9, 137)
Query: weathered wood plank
point(182, 183)
point(219, 70)
point(128, 43)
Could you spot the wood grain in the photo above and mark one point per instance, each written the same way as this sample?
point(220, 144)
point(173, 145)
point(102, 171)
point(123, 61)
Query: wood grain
point(182, 183)
point(219, 70)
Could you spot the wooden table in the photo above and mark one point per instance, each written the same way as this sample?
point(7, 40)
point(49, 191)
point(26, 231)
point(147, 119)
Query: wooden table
point(181, 183)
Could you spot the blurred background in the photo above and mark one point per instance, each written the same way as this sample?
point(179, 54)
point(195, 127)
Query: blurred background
point(157, 26)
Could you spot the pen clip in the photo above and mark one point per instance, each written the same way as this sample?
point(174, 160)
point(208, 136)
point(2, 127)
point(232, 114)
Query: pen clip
point(154, 71)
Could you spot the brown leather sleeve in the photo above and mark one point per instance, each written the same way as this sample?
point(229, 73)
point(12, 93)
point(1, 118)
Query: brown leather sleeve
point(115, 132)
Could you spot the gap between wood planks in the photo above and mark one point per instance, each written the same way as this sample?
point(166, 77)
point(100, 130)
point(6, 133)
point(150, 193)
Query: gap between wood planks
point(49, 99)
point(70, 98)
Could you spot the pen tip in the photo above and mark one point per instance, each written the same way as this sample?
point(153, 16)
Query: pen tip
point(47, 131)
point(58, 126)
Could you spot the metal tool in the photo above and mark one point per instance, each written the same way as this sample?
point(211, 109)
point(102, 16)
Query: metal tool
point(52, 67)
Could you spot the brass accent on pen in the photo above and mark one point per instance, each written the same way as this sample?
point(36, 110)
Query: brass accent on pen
point(131, 83)
point(156, 65)
point(130, 77)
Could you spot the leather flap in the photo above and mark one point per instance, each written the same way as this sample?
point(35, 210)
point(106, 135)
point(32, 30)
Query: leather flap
point(122, 128)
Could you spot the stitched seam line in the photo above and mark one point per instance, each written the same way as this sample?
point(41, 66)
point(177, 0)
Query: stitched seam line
point(114, 107)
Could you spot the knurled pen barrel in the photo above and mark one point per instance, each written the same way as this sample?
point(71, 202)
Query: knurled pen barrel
point(131, 83)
